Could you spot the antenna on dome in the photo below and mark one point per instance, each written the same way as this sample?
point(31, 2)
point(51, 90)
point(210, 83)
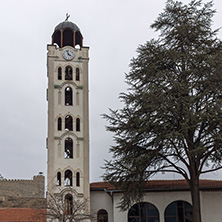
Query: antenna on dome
point(67, 16)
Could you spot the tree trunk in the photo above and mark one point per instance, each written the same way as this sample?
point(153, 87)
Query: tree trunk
point(195, 194)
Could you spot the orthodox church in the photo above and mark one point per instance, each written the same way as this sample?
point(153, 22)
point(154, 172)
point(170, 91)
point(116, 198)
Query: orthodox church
point(68, 156)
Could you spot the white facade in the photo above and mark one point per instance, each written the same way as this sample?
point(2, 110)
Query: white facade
point(211, 203)
point(68, 121)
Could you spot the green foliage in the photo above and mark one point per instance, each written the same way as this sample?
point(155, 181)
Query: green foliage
point(172, 115)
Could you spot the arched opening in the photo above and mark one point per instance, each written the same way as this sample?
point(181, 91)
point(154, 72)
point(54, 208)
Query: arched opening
point(77, 124)
point(59, 124)
point(68, 38)
point(68, 178)
point(68, 152)
point(78, 179)
point(58, 182)
point(68, 204)
point(69, 123)
point(143, 212)
point(57, 38)
point(77, 74)
point(102, 216)
point(68, 73)
point(59, 73)
point(68, 96)
point(178, 211)
point(78, 39)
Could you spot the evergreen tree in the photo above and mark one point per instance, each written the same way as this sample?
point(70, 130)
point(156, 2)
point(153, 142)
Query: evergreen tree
point(172, 115)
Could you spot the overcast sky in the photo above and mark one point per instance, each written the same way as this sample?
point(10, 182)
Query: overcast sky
point(112, 29)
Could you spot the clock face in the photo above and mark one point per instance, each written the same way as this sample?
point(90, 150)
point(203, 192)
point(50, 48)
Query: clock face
point(68, 54)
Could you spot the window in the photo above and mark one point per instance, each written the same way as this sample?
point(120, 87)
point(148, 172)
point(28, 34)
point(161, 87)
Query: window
point(78, 38)
point(143, 212)
point(77, 74)
point(77, 179)
point(68, 73)
point(68, 204)
point(178, 211)
point(58, 182)
point(68, 96)
point(59, 73)
point(77, 124)
point(57, 38)
point(68, 178)
point(68, 152)
point(102, 216)
point(68, 123)
point(59, 124)
point(68, 38)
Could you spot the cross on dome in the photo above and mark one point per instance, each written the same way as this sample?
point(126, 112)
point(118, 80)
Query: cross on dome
point(67, 17)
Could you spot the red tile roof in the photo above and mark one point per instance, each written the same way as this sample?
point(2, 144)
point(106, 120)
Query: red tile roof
point(163, 185)
point(22, 215)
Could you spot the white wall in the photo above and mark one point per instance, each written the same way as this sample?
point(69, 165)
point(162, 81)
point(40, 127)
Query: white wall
point(211, 204)
point(101, 200)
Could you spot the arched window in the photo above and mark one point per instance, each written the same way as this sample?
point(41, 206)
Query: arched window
point(77, 74)
point(68, 38)
point(68, 96)
point(68, 73)
point(77, 124)
point(59, 73)
point(59, 124)
point(68, 178)
point(68, 204)
point(78, 179)
point(68, 123)
point(68, 152)
point(57, 38)
point(78, 39)
point(178, 211)
point(102, 216)
point(143, 212)
point(58, 182)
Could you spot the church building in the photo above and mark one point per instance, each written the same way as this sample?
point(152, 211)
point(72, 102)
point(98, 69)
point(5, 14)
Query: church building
point(68, 179)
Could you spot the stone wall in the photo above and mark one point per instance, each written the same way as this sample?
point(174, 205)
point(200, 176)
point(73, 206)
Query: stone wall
point(23, 188)
point(23, 193)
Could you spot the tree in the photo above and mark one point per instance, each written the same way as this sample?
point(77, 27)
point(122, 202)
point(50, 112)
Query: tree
point(172, 115)
point(66, 208)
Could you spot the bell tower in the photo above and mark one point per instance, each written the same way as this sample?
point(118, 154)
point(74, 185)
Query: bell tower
point(68, 119)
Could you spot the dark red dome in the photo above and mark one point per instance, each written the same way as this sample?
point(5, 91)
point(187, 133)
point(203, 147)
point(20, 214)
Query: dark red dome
point(67, 25)
point(67, 34)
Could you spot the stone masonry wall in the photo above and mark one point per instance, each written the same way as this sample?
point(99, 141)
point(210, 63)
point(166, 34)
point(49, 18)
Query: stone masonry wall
point(23, 193)
point(23, 188)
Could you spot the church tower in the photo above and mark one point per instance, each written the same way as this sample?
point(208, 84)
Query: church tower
point(68, 121)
